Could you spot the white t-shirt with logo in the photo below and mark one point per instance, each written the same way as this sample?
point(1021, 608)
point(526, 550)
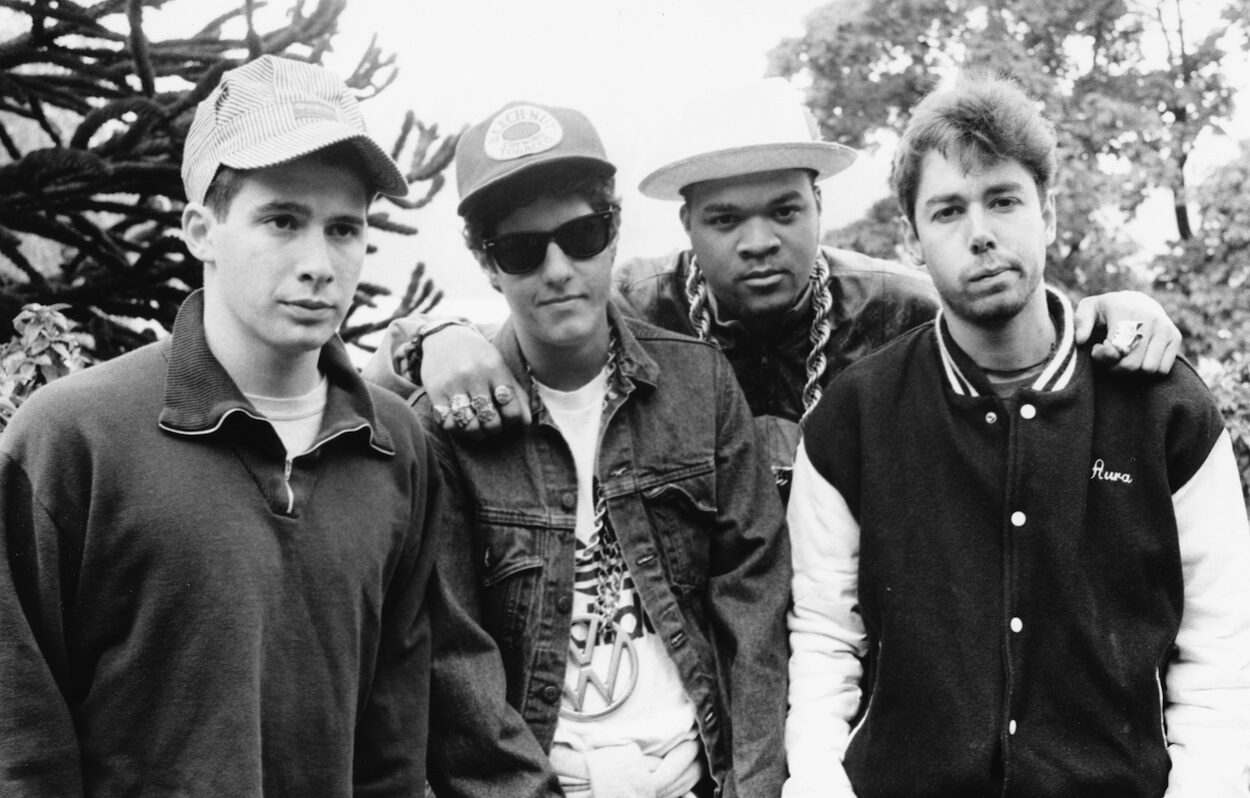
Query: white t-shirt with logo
point(598, 709)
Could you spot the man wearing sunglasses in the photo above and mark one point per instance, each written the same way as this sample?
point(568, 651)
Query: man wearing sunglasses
point(788, 313)
point(626, 551)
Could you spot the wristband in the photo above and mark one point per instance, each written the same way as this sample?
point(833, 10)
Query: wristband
point(409, 355)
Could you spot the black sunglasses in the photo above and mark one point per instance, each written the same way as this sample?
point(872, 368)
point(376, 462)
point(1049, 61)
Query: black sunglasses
point(580, 238)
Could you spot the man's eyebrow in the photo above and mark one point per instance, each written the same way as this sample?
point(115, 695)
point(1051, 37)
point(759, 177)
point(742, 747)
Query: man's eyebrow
point(995, 190)
point(944, 199)
point(780, 199)
point(300, 209)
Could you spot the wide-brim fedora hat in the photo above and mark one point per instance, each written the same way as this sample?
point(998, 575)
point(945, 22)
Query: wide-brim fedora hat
point(274, 110)
point(758, 127)
point(520, 137)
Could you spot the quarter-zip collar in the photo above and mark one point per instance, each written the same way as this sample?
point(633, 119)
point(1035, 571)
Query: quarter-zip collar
point(200, 395)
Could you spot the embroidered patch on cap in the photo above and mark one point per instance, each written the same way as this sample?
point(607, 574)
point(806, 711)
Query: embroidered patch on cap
point(520, 131)
point(302, 109)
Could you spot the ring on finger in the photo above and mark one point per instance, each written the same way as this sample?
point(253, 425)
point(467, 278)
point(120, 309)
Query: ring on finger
point(463, 416)
point(442, 411)
point(503, 395)
point(459, 401)
point(1124, 336)
point(487, 414)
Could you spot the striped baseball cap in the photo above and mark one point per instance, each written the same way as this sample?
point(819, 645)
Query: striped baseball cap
point(273, 110)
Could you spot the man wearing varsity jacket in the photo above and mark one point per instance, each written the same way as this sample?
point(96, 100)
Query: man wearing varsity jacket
point(1015, 574)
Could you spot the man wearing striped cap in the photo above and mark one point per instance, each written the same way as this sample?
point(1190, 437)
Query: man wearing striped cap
point(216, 551)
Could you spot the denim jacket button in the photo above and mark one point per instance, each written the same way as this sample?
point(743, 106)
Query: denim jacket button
point(551, 693)
point(568, 501)
point(564, 604)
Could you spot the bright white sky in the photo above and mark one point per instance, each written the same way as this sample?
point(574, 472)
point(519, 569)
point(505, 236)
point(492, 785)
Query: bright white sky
point(623, 63)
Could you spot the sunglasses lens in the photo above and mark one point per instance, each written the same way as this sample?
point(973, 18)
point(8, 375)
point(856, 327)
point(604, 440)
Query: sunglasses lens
point(580, 238)
point(585, 236)
point(519, 253)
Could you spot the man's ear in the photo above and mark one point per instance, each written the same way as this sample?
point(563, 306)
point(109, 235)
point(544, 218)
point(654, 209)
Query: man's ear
point(1049, 217)
point(197, 227)
point(911, 242)
point(817, 196)
point(684, 215)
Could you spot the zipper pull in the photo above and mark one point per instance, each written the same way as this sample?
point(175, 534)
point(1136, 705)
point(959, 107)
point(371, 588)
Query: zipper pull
point(286, 481)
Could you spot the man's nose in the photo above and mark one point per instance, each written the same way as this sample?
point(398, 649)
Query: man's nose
point(557, 267)
point(317, 262)
point(757, 239)
point(980, 237)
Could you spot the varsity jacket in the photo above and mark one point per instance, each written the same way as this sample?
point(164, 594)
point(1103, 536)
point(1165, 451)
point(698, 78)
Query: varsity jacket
point(1045, 596)
point(700, 527)
point(186, 612)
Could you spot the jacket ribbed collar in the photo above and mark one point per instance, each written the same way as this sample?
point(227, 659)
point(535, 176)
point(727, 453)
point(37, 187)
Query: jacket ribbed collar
point(966, 378)
point(199, 394)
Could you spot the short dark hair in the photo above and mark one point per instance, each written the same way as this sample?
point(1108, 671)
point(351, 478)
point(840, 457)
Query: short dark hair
point(594, 185)
point(979, 120)
point(228, 181)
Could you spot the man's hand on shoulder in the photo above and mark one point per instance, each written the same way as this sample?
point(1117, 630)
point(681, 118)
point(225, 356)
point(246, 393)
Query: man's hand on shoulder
point(469, 384)
point(1140, 336)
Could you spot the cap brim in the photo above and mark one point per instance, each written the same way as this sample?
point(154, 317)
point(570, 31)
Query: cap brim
point(825, 158)
point(384, 175)
point(530, 165)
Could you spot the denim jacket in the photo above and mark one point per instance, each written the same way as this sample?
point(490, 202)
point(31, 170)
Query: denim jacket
point(701, 529)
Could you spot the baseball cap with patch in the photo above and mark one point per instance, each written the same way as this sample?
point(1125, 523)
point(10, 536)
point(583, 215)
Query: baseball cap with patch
point(519, 137)
point(273, 110)
point(762, 126)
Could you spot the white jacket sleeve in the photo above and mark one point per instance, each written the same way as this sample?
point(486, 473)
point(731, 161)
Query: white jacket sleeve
point(827, 639)
point(1207, 705)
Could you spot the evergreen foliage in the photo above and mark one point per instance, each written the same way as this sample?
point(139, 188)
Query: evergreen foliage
point(93, 114)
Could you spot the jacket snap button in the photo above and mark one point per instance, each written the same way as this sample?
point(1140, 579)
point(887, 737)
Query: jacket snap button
point(568, 501)
point(551, 693)
point(564, 603)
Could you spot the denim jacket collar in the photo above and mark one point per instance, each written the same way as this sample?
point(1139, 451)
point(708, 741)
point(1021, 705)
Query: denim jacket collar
point(200, 395)
point(636, 367)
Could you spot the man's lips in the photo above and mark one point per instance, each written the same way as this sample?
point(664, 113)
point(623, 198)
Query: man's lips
point(990, 270)
point(759, 275)
point(310, 304)
point(560, 300)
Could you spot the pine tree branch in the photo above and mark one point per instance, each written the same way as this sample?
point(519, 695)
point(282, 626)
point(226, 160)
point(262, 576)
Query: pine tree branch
point(139, 48)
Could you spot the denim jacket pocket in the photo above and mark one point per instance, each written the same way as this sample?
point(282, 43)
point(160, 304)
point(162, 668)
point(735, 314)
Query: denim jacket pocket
point(682, 513)
point(511, 572)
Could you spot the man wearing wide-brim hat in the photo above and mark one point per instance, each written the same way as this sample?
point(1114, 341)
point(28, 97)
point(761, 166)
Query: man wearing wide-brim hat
point(789, 313)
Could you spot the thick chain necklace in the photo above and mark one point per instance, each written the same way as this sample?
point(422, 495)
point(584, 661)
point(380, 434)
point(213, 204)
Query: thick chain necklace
point(604, 546)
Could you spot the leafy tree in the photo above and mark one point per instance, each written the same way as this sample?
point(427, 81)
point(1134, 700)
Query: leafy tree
point(1129, 85)
point(46, 347)
point(93, 114)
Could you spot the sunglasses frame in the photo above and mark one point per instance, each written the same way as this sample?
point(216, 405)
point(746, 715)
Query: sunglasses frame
point(611, 218)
